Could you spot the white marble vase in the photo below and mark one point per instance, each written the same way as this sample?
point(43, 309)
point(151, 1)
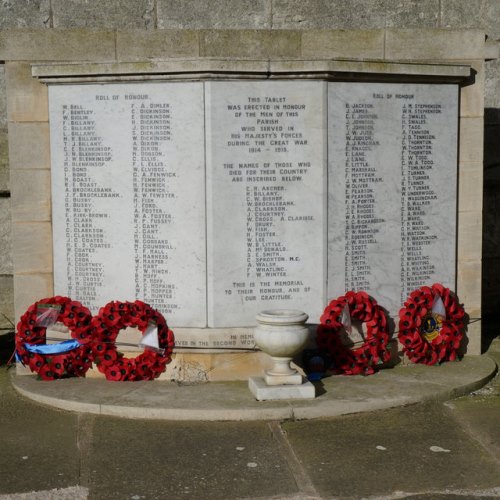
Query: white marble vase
point(281, 333)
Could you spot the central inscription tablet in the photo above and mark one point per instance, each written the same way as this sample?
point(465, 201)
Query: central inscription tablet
point(213, 201)
point(266, 206)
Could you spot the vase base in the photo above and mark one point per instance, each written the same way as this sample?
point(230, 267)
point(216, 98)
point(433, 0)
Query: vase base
point(280, 379)
point(264, 392)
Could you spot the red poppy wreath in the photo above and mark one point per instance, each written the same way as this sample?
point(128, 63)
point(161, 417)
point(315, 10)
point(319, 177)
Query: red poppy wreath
point(431, 325)
point(373, 351)
point(53, 361)
point(116, 316)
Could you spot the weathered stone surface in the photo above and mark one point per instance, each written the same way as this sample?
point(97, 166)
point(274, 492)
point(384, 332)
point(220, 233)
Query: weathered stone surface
point(482, 14)
point(355, 14)
point(334, 14)
point(4, 161)
point(4, 150)
point(3, 98)
point(372, 442)
point(29, 145)
point(29, 288)
point(367, 44)
point(200, 14)
point(5, 237)
point(469, 284)
point(471, 140)
point(137, 45)
point(421, 14)
point(6, 302)
point(109, 14)
point(433, 45)
point(193, 367)
point(32, 247)
point(492, 84)
point(472, 96)
point(27, 98)
point(57, 45)
point(25, 13)
point(250, 43)
point(30, 195)
point(326, 67)
point(469, 233)
point(470, 186)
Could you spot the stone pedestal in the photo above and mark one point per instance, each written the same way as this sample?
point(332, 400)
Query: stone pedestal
point(263, 392)
point(281, 333)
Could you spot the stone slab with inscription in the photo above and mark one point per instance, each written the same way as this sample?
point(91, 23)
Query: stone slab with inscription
point(213, 201)
point(128, 192)
point(392, 188)
point(266, 157)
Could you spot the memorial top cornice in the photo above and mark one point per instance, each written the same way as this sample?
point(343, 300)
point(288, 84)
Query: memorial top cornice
point(189, 69)
point(125, 45)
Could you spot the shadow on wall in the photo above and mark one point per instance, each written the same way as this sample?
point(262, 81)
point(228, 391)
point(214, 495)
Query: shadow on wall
point(491, 227)
point(6, 346)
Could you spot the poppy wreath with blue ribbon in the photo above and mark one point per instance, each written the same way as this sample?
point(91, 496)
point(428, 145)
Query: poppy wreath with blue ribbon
point(362, 360)
point(64, 359)
point(116, 316)
point(426, 338)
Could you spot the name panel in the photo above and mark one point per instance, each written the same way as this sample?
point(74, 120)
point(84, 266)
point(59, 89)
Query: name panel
point(129, 196)
point(392, 188)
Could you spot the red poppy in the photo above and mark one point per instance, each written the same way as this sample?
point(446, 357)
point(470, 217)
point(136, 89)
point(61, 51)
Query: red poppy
point(113, 373)
point(35, 361)
point(109, 357)
point(46, 373)
point(56, 365)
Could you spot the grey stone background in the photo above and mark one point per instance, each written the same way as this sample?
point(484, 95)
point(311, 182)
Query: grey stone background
point(269, 14)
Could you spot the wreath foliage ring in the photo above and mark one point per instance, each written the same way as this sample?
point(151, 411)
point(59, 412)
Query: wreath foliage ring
point(365, 358)
point(444, 344)
point(75, 362)
point(116, 316)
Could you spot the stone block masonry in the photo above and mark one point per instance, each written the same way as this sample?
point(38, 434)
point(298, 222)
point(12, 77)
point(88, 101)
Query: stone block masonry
point(27, 107)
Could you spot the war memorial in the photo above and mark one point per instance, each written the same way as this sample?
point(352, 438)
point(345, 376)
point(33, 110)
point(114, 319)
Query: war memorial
point(214, 174)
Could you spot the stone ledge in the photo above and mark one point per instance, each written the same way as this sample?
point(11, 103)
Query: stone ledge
point(91, 44)
point(27, 44)
point(491, 50)
point(216, 68)
point(224, 401)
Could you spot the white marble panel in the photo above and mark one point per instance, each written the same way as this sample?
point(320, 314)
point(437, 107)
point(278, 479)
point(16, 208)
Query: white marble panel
point(266, 203)
point(128, 193)
point(392, 188)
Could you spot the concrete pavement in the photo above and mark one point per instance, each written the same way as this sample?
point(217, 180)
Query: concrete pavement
point(432, 449)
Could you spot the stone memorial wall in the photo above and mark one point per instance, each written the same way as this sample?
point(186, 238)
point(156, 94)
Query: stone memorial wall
point(215, 200)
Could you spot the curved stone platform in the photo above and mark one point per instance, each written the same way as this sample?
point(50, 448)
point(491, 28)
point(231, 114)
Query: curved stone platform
point(337, 395)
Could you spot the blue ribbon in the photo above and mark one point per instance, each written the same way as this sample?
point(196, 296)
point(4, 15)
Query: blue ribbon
point(19, 359)
point(64, 346)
